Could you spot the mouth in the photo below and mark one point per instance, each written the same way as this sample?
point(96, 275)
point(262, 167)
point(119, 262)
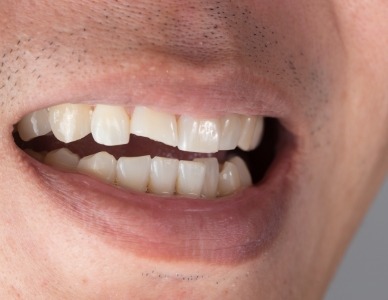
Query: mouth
point(164, 184)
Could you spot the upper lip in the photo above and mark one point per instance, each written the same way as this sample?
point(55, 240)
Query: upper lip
point(225, 231)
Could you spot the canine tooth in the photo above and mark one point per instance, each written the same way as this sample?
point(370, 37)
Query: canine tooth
point(62, 159)
point(257, 133)
point(245, 175)
point(70, 122)
point(158, 126)
point(198, 135)
point(191, 177)
point(101, 165)
point(110, 125)
point(134, 172)
point(231, 131)
point(209, 189)
point(34, 124)
point(229, 180)
point(248, 130)
point(163, 175)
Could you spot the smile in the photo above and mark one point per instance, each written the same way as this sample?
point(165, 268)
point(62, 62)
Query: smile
point(209, 186)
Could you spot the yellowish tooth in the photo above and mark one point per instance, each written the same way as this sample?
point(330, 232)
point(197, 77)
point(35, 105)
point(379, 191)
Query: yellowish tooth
point(163, 176)
point(191, 176)
point(101, 165)
point(110, 125)
point(70, 122)
point(62, 159)
point(134, 172)
point(209, 189)
point(39, 156)
point(158, 126)
point(248, 130)
point(231, 131)
point(198, 135)
point(257, 133)
point(34, 124)
point(229, 180)
point(245, 175)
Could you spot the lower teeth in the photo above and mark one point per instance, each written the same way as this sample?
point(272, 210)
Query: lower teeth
point(202, 177)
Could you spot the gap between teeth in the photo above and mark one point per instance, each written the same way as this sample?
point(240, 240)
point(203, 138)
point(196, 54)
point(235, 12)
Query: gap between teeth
point(112, 125)
point(202, 177)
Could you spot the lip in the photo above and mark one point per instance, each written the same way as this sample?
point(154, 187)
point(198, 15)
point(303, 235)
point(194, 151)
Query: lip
point(229, 230)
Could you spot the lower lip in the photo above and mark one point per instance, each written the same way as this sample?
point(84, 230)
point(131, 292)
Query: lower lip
point(229, 230)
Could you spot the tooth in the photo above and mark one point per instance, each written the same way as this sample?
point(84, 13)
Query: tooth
point(198, 135)
point(231, 132)
point(159, 126)
point(62, 159)
point(134, 172)
point(39, 156)
point(257, 133)
point(247, 133)
point(101, 165)
point(34, 124)
point(245, 175)
point(212, 170)
point(110, 125)
point(163, 175)
point(191, 177)
point(70, 122)
point(229, 180)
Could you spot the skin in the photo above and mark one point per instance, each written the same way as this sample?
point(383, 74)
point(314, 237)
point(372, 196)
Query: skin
point(328, 57)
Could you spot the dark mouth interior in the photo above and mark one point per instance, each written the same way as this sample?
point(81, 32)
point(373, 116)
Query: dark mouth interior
point(258, 160)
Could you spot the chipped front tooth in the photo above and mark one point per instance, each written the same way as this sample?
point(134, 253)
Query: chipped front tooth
point(191, 177)
point(229, 180)
point(163, 175)
point(34, 124)
point(247, 132)
point(101, 165)
point(245, 175)
point(110, 125)
point(134, 172)
point(209, 189)
point(158, 126)
point(198, 135)
point(70, 122)
point(62, 159)
point(231, 131)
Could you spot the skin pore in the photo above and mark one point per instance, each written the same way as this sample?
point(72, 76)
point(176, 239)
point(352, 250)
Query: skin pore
point(319, 67)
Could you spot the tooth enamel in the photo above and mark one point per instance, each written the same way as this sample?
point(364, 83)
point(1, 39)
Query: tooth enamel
point(229, 180)
point(163, 175)
point(110, 125)
point(158, 126)
point(231, 131)
point(34, 124)
point(134, 172)
point(244, 174)
point(209, 189)
point(37, 155)
point(101, 165)
point(62, 159)
point(257, 133)
point(198, 135)
point(191, 177)
point(70, 122)
point(247, 132)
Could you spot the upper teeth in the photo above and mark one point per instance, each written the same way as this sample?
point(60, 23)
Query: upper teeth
point(112, 125)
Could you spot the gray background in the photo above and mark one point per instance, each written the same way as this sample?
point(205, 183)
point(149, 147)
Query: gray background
point(363, 273)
